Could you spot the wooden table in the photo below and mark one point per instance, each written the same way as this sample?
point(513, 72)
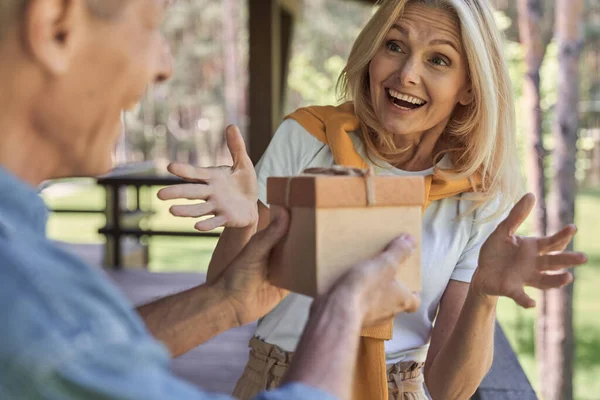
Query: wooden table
point(123, 221)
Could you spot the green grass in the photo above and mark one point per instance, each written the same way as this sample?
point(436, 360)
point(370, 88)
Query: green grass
point(519, 323)
point(166, 253)
point(193, 254)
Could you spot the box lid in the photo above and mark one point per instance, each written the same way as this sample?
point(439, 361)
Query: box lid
point(332, 191)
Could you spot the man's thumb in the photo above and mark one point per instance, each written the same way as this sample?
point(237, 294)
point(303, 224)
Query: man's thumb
point(265, 240)
point(399, 249)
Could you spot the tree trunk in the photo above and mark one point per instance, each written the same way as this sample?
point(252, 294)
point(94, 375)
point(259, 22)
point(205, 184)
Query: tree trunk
point(532, 20)
point(592, 69)
point(558, 382)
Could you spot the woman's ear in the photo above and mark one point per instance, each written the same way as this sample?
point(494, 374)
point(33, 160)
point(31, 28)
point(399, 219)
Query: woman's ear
point(466, 96)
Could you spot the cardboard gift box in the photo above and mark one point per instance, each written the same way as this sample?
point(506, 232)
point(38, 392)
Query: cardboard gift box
point(339, 217)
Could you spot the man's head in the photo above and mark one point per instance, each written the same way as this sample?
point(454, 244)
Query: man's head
point(71, 67)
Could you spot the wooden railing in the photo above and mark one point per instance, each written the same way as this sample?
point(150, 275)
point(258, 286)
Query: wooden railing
point(123, 221)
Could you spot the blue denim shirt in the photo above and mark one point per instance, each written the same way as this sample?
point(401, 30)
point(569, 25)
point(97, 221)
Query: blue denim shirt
point(66, 332)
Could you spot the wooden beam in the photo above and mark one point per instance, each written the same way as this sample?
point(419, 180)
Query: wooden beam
point(265, 73)
point(271, 24)
point(287, 31)
point(292, 7)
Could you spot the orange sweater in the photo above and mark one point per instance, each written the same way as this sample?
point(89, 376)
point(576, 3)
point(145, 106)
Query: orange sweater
point(331, 126)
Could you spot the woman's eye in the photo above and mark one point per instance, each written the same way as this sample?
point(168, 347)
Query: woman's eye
point(440, 61)
point(393, 46)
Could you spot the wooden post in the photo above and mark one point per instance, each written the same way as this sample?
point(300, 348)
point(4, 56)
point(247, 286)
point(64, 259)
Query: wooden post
point(287, 30)
point(265, 61)
point(112, 249)
point(270, 24)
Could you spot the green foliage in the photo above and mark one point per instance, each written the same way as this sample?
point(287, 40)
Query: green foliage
point(519, 323)
point(167, 254)
point(514, 56)
point(549, 89)
point(194, 30)
point(320, 50)
point(311, 85)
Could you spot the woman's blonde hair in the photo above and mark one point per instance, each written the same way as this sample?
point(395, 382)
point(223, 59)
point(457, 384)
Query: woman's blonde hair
point(483, 133)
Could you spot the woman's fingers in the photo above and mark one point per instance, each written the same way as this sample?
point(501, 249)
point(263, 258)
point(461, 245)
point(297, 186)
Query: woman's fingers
point(518, 214)
point(190, 191)
point(193, 210)
point(551, 281)
point(557, 261)
point(557, 242)
point(211, 223)
point(191, 173)
point(523, 299)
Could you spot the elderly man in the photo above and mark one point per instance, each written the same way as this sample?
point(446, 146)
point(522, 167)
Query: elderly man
point(68, 68)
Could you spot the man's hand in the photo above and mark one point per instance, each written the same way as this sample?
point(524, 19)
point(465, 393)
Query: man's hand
point(245, 280)
point(369, 288)
point(375, 292)
point(229, 193)
point(508, 263)
point(366, 296)
point(240, 294)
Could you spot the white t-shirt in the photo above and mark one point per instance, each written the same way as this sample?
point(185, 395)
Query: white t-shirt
point(450, 246)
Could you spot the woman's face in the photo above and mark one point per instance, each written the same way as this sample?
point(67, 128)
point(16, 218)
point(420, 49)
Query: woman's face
point(419, 74)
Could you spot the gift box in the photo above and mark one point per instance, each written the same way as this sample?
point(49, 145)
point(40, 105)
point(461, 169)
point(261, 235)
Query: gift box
point(340, 217)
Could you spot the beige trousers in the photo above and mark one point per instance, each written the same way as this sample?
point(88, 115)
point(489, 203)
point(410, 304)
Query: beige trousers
point(268, 364)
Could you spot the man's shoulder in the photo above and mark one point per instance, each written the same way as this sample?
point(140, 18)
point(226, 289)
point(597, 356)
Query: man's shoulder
point(35, 271)
point(24, 263)
point(51, 299)
point(41, 278)
point(32, 325)
point(58, 311)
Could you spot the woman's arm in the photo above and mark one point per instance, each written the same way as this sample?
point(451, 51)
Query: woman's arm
point(231, 194)
point(231, 243)
point(238, 296)
point(462, 344)
point(228, 194)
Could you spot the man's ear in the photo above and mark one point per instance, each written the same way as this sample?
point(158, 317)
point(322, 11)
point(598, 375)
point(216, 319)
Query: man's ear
point(51, 30)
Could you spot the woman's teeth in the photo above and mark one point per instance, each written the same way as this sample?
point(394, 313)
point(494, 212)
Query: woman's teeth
point(404, 101)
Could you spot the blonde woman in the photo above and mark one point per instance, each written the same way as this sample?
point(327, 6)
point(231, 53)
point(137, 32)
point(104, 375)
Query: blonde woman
point(428, 93)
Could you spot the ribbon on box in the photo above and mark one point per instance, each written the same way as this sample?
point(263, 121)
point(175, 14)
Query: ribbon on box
point(368, 174)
